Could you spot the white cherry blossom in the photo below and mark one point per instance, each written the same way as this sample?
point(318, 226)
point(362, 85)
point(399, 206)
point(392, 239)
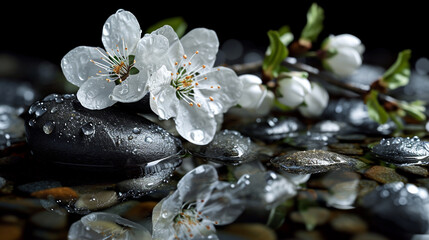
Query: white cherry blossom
point(120, 71)
point(188, 88)
point(199, 203)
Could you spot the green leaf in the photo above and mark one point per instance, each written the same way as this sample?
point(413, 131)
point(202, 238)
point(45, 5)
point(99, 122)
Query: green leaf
point(278, 214)
point(398, 74)
point(134, 71)
point(414, 109)
point(177, 23)
point(286, 37)
point(271, 63)
point(375, 111)
point(131, 59)
point(314, 26)
point(397, 120)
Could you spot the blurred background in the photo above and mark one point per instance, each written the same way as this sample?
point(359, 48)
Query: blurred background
point(38, 35)
point(49, 31)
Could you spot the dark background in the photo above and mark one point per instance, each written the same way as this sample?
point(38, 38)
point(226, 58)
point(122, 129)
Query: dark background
point(49, 31)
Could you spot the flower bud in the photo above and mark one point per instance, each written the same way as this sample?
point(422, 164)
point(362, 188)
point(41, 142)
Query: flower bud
point(293, 87)
point(253, 92)
point(315, 101)
point(343, 54)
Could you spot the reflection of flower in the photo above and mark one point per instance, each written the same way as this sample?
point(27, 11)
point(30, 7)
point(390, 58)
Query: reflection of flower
point(100, 225)
point(199, 203)
point(293, 87)
point(343, 54)
point(315, 101)
point(117, 73)
point(188, 88)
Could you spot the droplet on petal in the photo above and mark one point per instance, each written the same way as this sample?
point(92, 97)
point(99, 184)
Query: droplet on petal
point(197, 135)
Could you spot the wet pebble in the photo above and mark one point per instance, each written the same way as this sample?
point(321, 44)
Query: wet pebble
point(96, 201)
point(106, 226)
point(383, 175)
point(145, 184)
point(61, 131)
point(12, 128)
point(399, 208)
point(272, 129)
point(313, 161)
point(310, 140)
point(355, 113)
point(349, 223)
point(32, 187)
point(402, 150)
point(228, 147)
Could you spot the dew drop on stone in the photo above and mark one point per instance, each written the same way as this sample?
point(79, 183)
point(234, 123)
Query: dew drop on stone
point(40, 111)
point(48, 127)
point(31, 122)
point(88, 129)
point(148, 139)
point(54, 110)
point(136, 130)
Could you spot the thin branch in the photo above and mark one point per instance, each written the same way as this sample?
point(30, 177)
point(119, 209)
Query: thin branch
point(293, 64)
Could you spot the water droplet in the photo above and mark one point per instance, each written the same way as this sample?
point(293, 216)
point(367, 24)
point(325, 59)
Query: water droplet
point(196, 135)
point(130, 137)
point(88, 129)
point(48, 127)
point(148, 139)
point(136, 130)
point(54, 110)
point(164, 214)
point(31, 122)
point(40, 111)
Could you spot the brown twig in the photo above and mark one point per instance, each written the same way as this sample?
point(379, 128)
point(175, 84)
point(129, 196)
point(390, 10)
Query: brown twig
point(293, 64)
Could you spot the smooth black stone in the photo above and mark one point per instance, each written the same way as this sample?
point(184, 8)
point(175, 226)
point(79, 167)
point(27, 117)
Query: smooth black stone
point(228, 147)
point(313, 161)
point(355, 113)
point(272, 129)
point(399, 209)
point(400, 150)
point(61, 131)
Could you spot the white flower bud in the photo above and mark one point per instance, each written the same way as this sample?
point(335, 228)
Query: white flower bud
point(315, 102)
point(293, 87)
point(344, 54)
point(253, 92)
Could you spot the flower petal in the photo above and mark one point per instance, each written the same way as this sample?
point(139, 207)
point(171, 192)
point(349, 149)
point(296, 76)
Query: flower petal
point(168, 32)
point(293, 90)
point(163, 100)
point(222, 89)
point(196, 184)
point(345, 62)
point(315, 102)
point(175, 51)
point(345, 40)
point(195, 124)
point(77, 66)
point(121, 28)
point(204, 41)
point(132, 89)
point(151, 52)
point(253, 92)
point(95, 93)
point(222, 206)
